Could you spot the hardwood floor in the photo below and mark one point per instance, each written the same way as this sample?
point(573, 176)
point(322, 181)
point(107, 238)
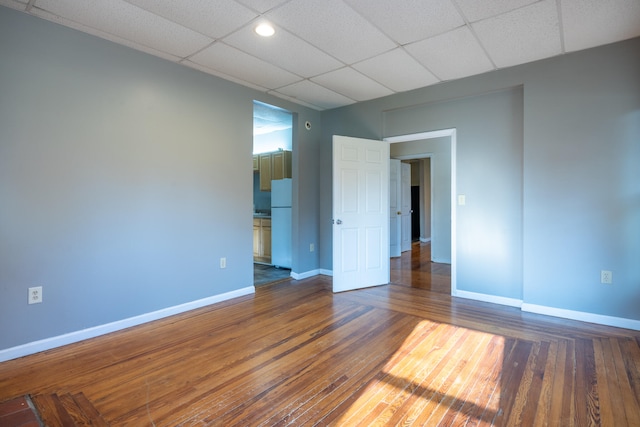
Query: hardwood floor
point(297, 354)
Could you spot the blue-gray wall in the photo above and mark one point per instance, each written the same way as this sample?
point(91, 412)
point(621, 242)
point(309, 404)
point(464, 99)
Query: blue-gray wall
point(123, 179)
point(548, 157)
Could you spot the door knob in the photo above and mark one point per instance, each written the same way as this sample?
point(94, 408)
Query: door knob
point(339, 221)
point(399, 213)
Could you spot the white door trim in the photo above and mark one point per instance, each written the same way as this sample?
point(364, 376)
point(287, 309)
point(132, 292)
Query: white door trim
point(451, 133)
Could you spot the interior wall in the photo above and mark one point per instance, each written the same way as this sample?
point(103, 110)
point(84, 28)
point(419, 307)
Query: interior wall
point(124, 178)
point(551, 179)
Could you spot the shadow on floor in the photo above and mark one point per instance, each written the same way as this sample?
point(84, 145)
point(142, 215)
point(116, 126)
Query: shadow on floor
point(264, 274)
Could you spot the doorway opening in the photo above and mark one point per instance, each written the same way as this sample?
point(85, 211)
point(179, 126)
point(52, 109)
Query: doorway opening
point(441, 244)
point(272, 193)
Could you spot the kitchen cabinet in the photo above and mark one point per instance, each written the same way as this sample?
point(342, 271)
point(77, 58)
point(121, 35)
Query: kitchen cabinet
point(274, 165)
point(281, 165)
point(256, 163)
point(262, 240)
point(265, 172)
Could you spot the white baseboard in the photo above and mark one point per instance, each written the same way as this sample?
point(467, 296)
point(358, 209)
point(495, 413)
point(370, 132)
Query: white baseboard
point(425, 239)
point(311, 273)
point(512, 302)
point(619, 322)
point(306, 274)
point(72, 337)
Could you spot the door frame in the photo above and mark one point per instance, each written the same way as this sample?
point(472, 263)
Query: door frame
point(451, 133)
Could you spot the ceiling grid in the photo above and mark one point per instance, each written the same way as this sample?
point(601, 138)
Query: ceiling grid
point(331, 53)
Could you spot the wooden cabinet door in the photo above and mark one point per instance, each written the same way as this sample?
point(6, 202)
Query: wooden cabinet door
point(266, 239)
point(281, 165)
point(256, 238)
point(265, 172)
point(256, 163)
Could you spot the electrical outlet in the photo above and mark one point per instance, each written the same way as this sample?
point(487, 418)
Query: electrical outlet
point(311, 247)
point(223, 263)
point(606, 277)
point(35, 295)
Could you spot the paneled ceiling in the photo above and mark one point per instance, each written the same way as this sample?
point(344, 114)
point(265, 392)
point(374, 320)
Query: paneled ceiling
point(330, 53)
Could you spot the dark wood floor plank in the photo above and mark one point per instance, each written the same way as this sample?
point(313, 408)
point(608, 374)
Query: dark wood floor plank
point(529, 396)
point(586, 392)
point(626, 392)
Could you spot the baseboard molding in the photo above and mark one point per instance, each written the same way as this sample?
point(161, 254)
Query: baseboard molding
point(305, 275)
point(600, 319)
point(311, 273)
point(425, 239)
point(512, 302)
point(73, 337)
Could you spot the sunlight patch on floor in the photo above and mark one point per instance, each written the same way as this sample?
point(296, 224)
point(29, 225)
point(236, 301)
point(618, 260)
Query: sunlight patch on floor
point(437, 377)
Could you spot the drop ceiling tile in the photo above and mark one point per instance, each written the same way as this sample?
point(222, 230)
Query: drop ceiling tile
point(475, 10)
point(397, 70)
point(352, 84)
point(213, 19)
point(452, 55)
point(407, 21)
point(127, 22)
point(523, 35)
point(231, 61)
point(315, 94)
point(262, 6)
point(333, 27)
point(14, 4)
point(284, 49)
point(590, 23)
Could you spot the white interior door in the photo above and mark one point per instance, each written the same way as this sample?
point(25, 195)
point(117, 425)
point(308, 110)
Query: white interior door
point(360, 213)
point(406, 207)
point(395, 225)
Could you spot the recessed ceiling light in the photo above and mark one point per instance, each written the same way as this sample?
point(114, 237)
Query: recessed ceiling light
point(265, 29)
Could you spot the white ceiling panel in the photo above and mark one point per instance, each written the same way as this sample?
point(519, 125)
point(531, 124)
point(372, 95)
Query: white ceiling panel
point(523, 35)
point(286, 50)
point(352, 84)
point(397, 70)
point(315, 94)
point(407, 21)
point(233, 62)
point(262, 6)
point(475, 10)
point(589, 23)
point(352, 49)
point(452, 55)
point(334, 27)
point(213, 19)
point(130, 23)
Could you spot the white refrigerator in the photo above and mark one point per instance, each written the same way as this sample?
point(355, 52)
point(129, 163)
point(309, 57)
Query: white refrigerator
point(281, 223)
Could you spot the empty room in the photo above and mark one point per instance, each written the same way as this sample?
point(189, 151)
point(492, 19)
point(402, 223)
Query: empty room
point(134, 206)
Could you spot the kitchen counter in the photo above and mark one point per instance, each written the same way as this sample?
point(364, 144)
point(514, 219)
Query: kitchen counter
point(262, 216)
